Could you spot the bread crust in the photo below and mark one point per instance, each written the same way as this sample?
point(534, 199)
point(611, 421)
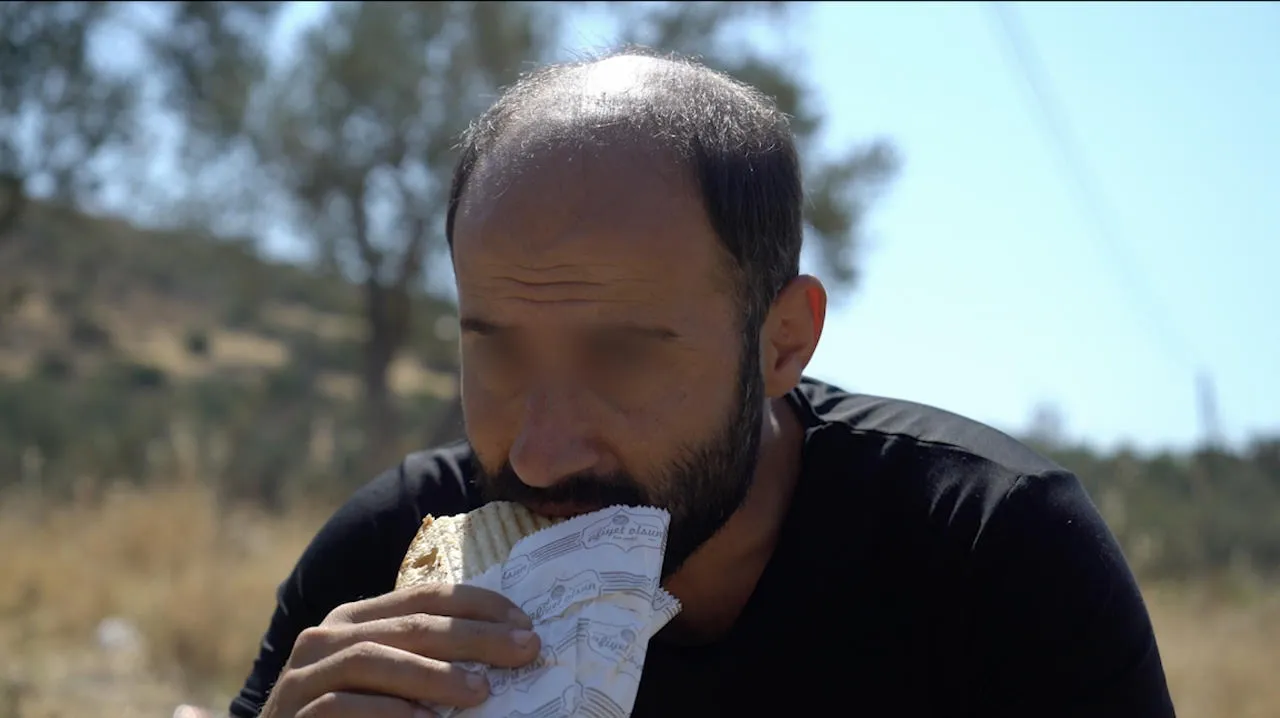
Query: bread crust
point(455, 549)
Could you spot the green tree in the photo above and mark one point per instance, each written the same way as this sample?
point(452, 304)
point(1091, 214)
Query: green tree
point(352, 137)
point(60, 112)
point(61, 116)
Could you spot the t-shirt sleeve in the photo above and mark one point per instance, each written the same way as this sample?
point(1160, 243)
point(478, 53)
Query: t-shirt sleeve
point(355, 555)
point(1062, 626)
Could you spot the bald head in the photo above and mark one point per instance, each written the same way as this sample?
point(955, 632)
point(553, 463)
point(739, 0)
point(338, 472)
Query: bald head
point(729, 142)
point(631, 97)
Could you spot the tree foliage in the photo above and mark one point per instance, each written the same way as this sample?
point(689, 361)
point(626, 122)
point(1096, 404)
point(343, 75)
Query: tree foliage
point(346, 140)
point(60, 112)
point(352, 136)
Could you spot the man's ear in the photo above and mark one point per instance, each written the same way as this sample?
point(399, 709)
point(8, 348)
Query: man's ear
point(790, 333)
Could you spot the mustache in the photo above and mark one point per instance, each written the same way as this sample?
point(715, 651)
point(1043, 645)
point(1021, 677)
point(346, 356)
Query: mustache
point(587, 489)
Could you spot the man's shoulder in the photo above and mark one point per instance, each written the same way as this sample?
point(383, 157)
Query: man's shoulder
point(448, 468)
point(898, 429)
point(367, 536)
point(953, 529)
point(430, 481)
point(915, 473)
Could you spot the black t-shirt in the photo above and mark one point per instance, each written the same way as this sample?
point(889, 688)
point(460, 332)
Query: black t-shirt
point(929, 566)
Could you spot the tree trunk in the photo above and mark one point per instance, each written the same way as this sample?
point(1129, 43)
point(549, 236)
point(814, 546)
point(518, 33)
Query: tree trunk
point(387, 309)
point(382, 423)
point(13, 200)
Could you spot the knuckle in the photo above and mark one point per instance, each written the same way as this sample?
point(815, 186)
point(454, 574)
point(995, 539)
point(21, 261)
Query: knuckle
point(421, 623)
point(362, 654)
point(328, 704)
point(475, 632)
point(282, 693)
point(457, 627)
point(315, 636)
point(311, 645)
point(444, 636)
point(431, 590)
point(337, 615)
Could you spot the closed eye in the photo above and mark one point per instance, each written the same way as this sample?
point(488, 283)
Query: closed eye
point(493, 353)
point(617, 350)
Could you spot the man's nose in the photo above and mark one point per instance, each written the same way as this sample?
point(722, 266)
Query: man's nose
point(554, 440)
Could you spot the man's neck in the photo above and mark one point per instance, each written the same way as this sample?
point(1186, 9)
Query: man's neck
point(716, 582)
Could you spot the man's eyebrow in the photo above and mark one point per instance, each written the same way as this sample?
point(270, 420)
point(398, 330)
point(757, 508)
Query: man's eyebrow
point(484, 327)
point(639, 331)
point(473, 325)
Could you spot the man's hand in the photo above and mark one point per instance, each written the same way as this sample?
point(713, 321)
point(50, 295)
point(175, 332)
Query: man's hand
point(387, 656)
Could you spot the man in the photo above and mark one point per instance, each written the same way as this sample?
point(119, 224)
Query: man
point(626, 236)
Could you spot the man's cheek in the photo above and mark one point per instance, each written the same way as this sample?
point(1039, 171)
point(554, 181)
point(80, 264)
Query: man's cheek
point(670, 416)
point(482, 401)
point(488, 427)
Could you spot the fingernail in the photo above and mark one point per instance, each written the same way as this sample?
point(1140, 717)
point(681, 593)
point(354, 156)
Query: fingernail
point(519, 618)
point(521, 637)
point(475, 681)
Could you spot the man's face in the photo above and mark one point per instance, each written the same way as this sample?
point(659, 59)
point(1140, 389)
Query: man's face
point(603, 355)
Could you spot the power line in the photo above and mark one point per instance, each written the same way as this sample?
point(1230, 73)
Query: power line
point(1089, 199)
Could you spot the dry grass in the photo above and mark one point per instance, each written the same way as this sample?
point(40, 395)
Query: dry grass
point(199, 585)
point(322, 324)
point(1220, 655)
point(153, 330)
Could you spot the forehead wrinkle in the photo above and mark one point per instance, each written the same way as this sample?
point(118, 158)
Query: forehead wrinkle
point(566, 267)
point(565, 292)
point(533, 207)
point(521, 271)
point(590, 273)
point(566, 303)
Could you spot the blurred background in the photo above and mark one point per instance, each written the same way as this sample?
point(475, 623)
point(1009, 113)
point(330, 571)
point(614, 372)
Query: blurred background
point(225, 300)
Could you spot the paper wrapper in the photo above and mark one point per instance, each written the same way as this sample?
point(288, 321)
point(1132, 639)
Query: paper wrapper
point(591, 586)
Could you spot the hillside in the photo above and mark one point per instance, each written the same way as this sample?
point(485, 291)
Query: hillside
point(178, 416)
point(109, 332)
point(131, 355)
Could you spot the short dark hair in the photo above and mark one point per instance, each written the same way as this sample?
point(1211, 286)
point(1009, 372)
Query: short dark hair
point(733, 140)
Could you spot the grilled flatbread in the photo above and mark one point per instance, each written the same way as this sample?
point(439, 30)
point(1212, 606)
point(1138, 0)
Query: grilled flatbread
point(454, 549)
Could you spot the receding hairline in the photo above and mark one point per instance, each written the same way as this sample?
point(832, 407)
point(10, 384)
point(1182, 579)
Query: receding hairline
point(630, 97)
point(729, 137)
point(495, 173)
point(633, 94)
point(620, 101)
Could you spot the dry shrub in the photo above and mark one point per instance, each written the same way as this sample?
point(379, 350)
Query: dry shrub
point(1221, 653)
point(199, 583)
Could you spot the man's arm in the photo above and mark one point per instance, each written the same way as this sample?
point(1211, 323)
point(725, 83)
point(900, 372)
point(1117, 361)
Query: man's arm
point(354, 556)
point(1062, 627)
point(291, 616)
point(314, 588)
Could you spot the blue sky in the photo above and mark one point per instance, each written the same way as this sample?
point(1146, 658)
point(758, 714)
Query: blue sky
point(987, 287)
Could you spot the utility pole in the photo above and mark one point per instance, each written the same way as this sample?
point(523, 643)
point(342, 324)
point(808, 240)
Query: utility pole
point(1210, 425)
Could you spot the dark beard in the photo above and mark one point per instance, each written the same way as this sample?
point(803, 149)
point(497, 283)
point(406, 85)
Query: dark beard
point(701, 488)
